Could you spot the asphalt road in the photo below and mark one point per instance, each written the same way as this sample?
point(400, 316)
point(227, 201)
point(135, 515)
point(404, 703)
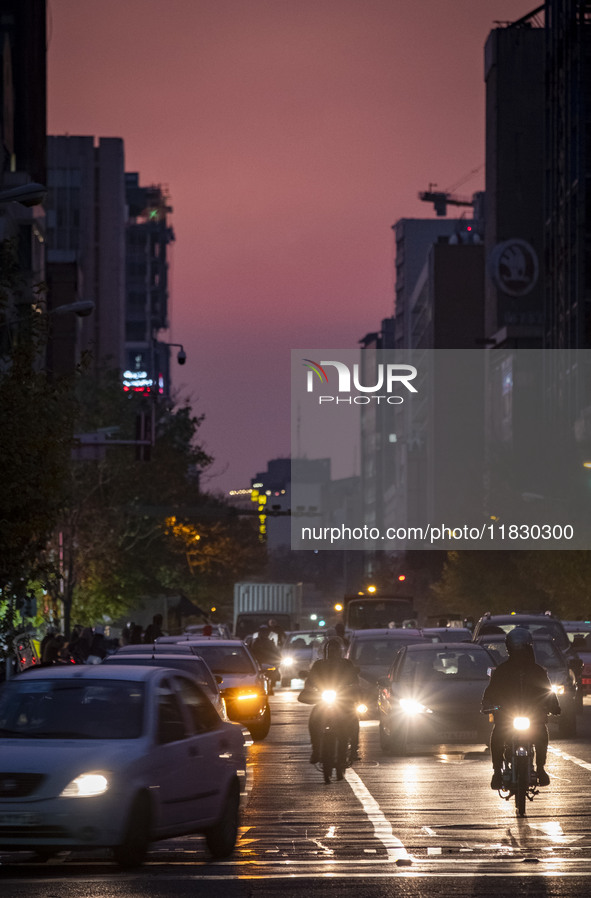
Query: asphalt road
point(427, 823)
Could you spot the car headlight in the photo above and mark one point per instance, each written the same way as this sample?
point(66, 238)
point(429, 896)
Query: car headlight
point(287, 661)
point(557, 689)
point(412, 707)
point(85, 785)
point(521, 723)
point(361, 709)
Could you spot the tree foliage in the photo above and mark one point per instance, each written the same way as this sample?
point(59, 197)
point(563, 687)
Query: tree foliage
point(36, 414)
point(116, 543)
point(502, 581)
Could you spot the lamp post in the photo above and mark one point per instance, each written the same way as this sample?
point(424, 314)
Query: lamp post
point(31, 194)
point(82, 308)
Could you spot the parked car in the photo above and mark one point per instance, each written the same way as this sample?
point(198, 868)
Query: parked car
point(539, 625)
point(432, 695)
point(562, 678)
point(191, 663)
point(299, 653)
point(447, 634)
point(243, 685)
point(372, 652)
point(222, 631)
point(107, 756)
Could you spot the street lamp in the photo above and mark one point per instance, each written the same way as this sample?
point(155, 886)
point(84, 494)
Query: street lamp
point(82, 308)
point(32, 194)
point(181, 355)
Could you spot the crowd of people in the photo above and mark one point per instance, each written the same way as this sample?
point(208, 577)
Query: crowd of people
point(90, 645)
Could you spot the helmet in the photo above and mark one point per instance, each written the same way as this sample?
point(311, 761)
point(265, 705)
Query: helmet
point(518, 640)
point(333, 648)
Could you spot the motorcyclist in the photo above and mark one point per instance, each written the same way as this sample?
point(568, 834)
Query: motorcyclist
point(264, 649)
point(332, 672)
point(267, 654)
point(518, 686)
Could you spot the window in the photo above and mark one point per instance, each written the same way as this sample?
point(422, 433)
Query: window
point(171, 725)
point(202, 713)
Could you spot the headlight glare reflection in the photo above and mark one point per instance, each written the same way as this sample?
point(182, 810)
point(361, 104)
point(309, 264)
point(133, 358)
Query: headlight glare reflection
point(412, 707)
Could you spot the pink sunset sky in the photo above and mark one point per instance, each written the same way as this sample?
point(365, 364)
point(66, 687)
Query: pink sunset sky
point(291, 135)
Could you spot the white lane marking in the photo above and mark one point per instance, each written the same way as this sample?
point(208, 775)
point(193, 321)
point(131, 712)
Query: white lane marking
point(382, 827)
point(562, 754)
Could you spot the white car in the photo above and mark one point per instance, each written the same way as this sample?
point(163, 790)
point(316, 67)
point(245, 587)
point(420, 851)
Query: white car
point(158, 656)
point(115, 757)
point(299, 651)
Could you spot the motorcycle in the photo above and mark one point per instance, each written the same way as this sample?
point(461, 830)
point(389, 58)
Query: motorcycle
point(335, 734)
point(272, 676)
point(519, 775)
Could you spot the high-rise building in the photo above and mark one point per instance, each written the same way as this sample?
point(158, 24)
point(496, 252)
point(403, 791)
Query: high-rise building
point(23, 144)
point(148, 237)
point(86, 231)
point(514, 220)
point(568, 173)
point(414, 237)
point(23, 107)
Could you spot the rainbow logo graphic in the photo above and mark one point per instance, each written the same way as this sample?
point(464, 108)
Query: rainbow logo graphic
point(315, 367)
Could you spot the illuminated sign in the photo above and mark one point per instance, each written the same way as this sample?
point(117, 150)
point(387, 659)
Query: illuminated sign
point(138, 381)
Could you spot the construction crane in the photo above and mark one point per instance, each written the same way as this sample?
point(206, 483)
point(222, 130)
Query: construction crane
point(441, 199)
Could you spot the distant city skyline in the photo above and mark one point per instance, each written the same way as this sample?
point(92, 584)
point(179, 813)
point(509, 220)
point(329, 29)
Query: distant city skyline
point(290, 136)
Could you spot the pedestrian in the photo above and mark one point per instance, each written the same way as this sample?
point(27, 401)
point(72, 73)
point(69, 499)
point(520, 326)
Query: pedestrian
point(135, 635)
point(277, 631)
point(98, 650)
point(339, 629)
point(53, 649)
point(154, 630)
point(51, 632)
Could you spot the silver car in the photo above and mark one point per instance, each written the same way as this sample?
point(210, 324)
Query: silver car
point(106, 756)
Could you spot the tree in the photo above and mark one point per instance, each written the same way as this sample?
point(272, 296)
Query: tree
point(502, 581)
point(36, 412)
point(473, 582)
point(115, 543)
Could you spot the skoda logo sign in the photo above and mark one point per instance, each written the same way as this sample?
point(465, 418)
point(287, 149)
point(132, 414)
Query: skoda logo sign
point(514, 267)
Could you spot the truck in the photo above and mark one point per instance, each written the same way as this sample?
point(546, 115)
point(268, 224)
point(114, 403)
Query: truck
point(368, 612)
point(255, 603)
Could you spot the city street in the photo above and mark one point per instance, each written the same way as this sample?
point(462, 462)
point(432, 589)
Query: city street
point(395, 826)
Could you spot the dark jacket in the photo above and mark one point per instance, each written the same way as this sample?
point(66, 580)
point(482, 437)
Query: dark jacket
point(340, 675)
point(520, 686)
point(265, 651)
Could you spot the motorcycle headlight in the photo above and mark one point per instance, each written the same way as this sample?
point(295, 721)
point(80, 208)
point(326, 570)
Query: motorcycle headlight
point(287, 661)
point(361, 708)
point(521, 723)
point(329, 696)
point(86, 785)
point(557, 688)
point(412, 707)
